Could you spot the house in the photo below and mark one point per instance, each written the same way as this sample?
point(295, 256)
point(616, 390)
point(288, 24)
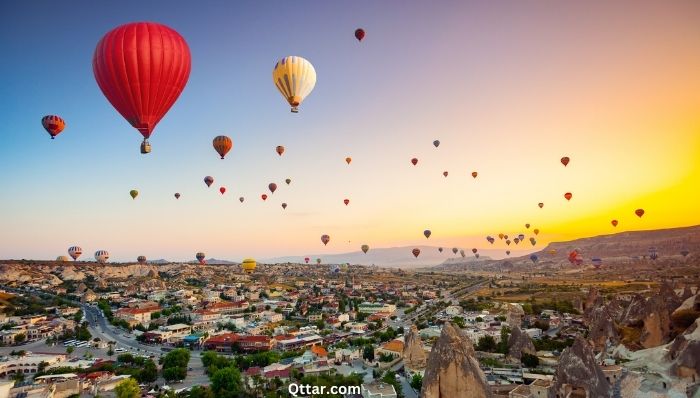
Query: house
point(540, 388)
point(521, 391)
point(135, 316)
point(228, 342)
point(315, 317)
point(347, 355)
point(371, 308)
point(453, 310)
point(393, 348)
point(290, 343)
point(378, 389)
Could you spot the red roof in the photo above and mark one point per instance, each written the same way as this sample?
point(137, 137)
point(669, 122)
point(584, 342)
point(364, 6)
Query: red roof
point(252, 371)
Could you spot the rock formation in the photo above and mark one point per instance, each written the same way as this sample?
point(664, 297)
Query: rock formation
point(602, 328)
point(452, 370)
point(687, 293)
point(684, 353)
point(515, 314)
point(414, 357)
point(592, 300)
point(519, 343)
point(578, 371)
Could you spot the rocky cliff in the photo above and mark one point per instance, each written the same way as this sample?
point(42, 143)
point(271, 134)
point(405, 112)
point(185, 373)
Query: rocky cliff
point(578, 371)
point(518, 343)
point(414, 356)
point(452, 371)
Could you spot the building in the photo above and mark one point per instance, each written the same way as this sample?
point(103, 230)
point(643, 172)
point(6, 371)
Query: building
point(135, 316)
point(378, 389)
point(290, 343)
point(229, 342)
point(371, 308)
point(540, 388)
point(393, 348)
point(521, 391)
point(28, 364)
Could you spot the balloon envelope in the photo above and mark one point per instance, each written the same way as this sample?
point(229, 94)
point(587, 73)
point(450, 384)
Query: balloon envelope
point(222, 190)
point(325, 239)
point(177, 195)
point(541, 205)
point(279, 149)
point(346, 201)
point(474, 174)
point(272, 187)
point(75, 252)
point(414, 161)
point(427, 233)
point(295, 78)
point(134, 193)
point(359, 34)
point(365, 248)
point(348, 160)
point(565, 160)
point(639, 212)
point(415, 252)
point(222, 144)
point(53, 125)
point(568, 195)
point(614, 223)
point(263, 196)
point(208, 180)
point(436, 143)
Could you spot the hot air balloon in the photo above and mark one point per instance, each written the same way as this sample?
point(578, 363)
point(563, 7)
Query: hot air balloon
point(568, 195)
point(427, 233)
point(614, 223)
point(264, 197)
point(505, 236)
point(476, 255)
point(294, 77)
point(325, 239)
point(241, 199)
point(306, 260)
point(53, 125)
point(208, 180)
point(279, 149)
point(201, 258)
point(500, 236)
point(142, 68)
point(272, 187)
point(474, 174)
point(521, 236)
point(508, 242)
point(318, 261)
point(565, 160)
point(359, 34)
point(454, 250)
point(346, 201)
point(533, 258)
point(177, 195)
point(134, 193)
point(414, 161)
point(685, 252)
point(436, 143)
point(75, 252)
point(288, 181)
point(552, 252)
point(222, 144)
point(101, 256)
point(536, 231)
point(474, 250)
point(597, 262)
point(490, 239)
point(444, 173)
point(248, 265)
point(222, 190)
point(348, 160)
point(575, 257)
point(541, 205)
point(284, 206)
point(527, 225)
point(440, 249)
point(653, 254)
point(639, 212)
point(141, 259)
point(516, 240)
point(415, 252)
point(507, 252)
point(533, 241)
point(461, 253)
point(365, 248)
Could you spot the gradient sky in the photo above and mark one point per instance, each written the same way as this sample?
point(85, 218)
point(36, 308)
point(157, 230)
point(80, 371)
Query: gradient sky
point(507, 87)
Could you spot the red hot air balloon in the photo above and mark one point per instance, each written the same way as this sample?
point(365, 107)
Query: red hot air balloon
point(272, 187)
point(222, 190)
point(306, 260)
point(53, 125)
point(614, 223)
point(279, 150)
point(346, 201)
point(568, 195)
point(415, 252)
point(639, 212)
point(414, 161)
point(474, 250)
point(222, 144)
point(474, 174)
point(565, 160)
point(208, 180)
point(325, 239)
point(444, 173)
point(263, 196)
point(359, 34)
point(142, 68)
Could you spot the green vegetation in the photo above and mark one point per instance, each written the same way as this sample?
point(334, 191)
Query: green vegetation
point(175, 364)
point(530, 361)
point(417, 382)
point(559, 306)
point(227, 383)
point(546, 343)
point(128, 389)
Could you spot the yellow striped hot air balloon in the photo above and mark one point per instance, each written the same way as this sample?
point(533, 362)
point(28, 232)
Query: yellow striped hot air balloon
point(294, 77)
point(248, 265)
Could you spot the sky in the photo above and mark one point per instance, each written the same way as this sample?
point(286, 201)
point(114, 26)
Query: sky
point(507, 87)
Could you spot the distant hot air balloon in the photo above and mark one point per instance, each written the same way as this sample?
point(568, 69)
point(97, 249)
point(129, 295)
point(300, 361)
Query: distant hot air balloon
point(272, 187)
point(639, 212)
point(415, 252)
point(306, 260)
point(427, 233)
point(614, 223)
point(533, 258)
point(533, 241)
point(222, 190)
point(284, 206)
point(141, 259)
point(414, 161)
point(653, 253)
point(568, 195)
point(505, 236)
point(75, 252)
point(365, 248)
point(507, 252)
point(508, 242)
point(541, 205)
point(461, 253)
point(536, 231)
point(500, 236)
point(346, 201)
point(444, 173)
point(474, 250)
point(288, 181)
point(685, 252)
point(248, 265)
point(436, 143)
point(516, 240)
point(454, 250)
point(294, 77)
point(201, 258)
point(440, 249)
point(279, 149)
point(134, 193)
point(53, 125)
point(222, 144)
point(474, 174)
point(208, 180)
point(476, 255)
point(177, 195)
point(325, 239)
point(527, 225)
point(264, 197)
point(348, 160)
point(521, 236)
point(565, 160)
point(359, 34)
point(142, 68)
point(241, 199)
point(575, 257)
point(597, 262)
point(102, 256)
point(490, 239)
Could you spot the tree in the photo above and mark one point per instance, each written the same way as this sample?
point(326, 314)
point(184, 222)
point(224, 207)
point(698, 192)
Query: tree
point(368, 353)
point(174, 373)
point(128, 389)
point(417, 382)
point(486, 343)
point(201, 392)
point(227, 383)
point(110, 351)
point(177, 358)
point(20, 338)
point(70, 350)
point(149, 372)
point(530, 361)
